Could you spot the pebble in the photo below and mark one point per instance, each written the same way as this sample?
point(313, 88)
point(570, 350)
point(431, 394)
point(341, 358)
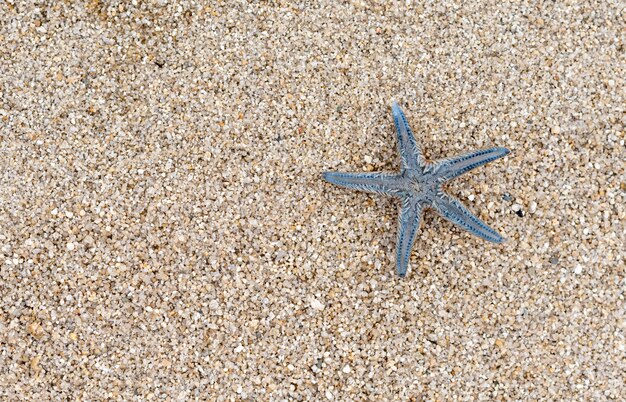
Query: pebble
point(316, 304)
point(34, 363)
point(35, 330)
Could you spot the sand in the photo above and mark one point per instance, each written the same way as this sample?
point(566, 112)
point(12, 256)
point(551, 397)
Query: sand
point(165, 233)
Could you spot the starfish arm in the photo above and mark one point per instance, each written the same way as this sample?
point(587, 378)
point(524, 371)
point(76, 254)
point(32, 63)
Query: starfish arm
point(410, 151)
point(450, 168)
point(380, 183)
point(409, 223)
point(453, 210)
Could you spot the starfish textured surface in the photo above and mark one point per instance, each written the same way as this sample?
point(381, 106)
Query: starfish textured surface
point(419, 185)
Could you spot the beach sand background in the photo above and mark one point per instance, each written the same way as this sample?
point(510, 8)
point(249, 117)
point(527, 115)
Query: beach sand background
point(165, 233)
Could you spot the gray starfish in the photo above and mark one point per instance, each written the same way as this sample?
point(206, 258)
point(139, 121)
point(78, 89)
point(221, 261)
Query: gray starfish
point(419, 185)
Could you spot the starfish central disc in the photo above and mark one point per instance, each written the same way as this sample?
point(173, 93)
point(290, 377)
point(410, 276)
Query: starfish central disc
point(416, 186)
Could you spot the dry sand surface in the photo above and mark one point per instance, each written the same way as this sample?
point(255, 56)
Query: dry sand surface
point(165, 233)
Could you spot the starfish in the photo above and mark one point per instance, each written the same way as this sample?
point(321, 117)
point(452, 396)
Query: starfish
point(419, 185)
